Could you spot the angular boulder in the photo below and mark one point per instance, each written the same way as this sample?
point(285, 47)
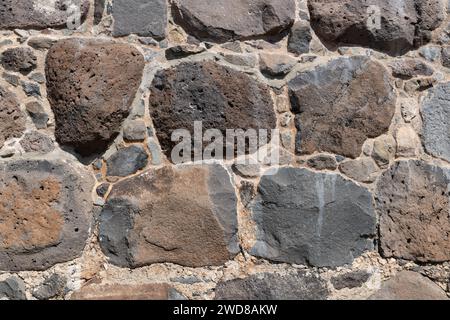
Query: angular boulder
point(341, 104)
point(391, 26)
point(413, 201)
point(222, 21)
point(45, 213)
point(42, 14)
point(91, 86)
point(436, 121)
point(319, 219)
point(184, 215)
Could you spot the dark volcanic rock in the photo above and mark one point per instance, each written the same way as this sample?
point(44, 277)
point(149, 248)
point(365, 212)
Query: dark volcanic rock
point(234, 19)
point(12, 119)
point(184, 215)
point(37, 114)
point(12, 288)
point(436, 121)
point(41, 14)
point(314, 218)
point(299, 38)
point(52, 287)
point(219, 96)
point(403, 25)
point(91, 86)
point(413, 202)
point(21, 60)
point(35, 141)
point(352, 279)
point(142, 17)
point(127, 161)
point(267, 286)
point(45, 212)
point(341, 104)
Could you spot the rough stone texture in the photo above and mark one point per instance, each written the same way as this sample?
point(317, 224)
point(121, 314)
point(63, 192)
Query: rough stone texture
point(322, 162)
point(413, 202)
point(436, 121)
point(276, 65)
point(45, 213)
point(315, 218)
point(152, 291)
point(407, 68)
point(353, 279)
point(405, 25)
point(247, 192)
point(407, 142)
point(127, 161)
point(266, 286)
point(219, 96)
point(142, 17)
point(37, 114)
point(40, 14)
point(299, 38)
point(12, 288)
point(19, 59)
point(12, 119)
point(234, 19)
point(341, 104)
point(91, 85)
point(41, 43)
point(52, 287)
point(408, 285)
point(362, 170)
point(135, 130)
point(35, 141)
point(184, 215)
point(384, 148)
point(182, 51)
point(98, 11)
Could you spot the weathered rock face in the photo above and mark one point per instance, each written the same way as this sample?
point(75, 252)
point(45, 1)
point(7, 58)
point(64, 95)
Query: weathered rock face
point(234, 19)
point(21, 60)
point(41, 14)
point(12, 288)
point(152, 291)
point(12, 119)
point(127, 161)
point(184, 215)
point(45, 213)
point(413, 202)
point(436, 121)
point(391, 26)
point(91, 85)
point(219, 96)
point(408, 285)
point(315, 218)
point(141, 17)
point(341, 104)
point(266, 286)
point(352, 279)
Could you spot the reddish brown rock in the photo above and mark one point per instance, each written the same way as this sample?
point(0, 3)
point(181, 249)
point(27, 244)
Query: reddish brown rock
point(154, 291)
point(184, 215)
point(45, 212)
point(12, 119)
point(341, 104)
point(408, 285)
point(91, 86)
point(413, 202)
point(221, 97)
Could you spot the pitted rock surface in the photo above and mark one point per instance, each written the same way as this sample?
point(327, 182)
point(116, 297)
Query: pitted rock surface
point(12, 119)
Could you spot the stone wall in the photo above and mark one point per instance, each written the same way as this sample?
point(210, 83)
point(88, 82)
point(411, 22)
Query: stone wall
point(93, 207)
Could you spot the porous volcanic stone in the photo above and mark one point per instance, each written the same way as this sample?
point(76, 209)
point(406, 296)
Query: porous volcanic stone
point(91, 86)
point(299, 38)
point(142, 17)
point(315, 218)
point(352, 279)
point(341, 104)
point(21, 60)
point(267, 286)
point(184, 215)
point(408, 285)
point(35, 141)
point(404, 25)
point(222, 21)
point(12, 119)
point(45, 213)
point(407, 68)
point(41, 14)
point(413, 202)
point(436, 121)
point(219, 96)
